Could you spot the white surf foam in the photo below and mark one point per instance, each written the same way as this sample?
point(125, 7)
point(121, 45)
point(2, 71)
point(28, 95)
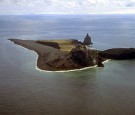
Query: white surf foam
point(64, 70)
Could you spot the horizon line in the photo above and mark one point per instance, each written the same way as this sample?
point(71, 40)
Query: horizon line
point(69, 14)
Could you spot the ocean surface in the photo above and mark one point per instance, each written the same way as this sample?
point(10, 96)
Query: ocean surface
point(24, 90)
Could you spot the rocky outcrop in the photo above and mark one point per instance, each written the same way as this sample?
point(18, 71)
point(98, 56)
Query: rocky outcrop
point(83, 56)
point(87, 40)
point(100, 60)
point(78, 57)
point(118, 53)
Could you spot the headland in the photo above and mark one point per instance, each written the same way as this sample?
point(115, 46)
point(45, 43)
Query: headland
point(70, 54)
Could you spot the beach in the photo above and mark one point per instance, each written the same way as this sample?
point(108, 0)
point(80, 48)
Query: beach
point(96, 90)
point(60, 55)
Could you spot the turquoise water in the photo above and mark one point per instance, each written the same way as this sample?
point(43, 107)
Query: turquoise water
point(95, 91)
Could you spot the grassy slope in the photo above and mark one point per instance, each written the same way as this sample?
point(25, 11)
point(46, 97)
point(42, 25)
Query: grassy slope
point(64, 45)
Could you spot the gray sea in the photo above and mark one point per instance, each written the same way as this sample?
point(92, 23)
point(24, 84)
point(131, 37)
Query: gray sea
point(24, 90)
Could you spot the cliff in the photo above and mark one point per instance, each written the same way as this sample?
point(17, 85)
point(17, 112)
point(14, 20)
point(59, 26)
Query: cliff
point(50, 56)
point(57, 55)
point(118, 53)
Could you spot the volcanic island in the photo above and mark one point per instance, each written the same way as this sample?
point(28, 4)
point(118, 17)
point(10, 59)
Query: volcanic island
point(71, 54)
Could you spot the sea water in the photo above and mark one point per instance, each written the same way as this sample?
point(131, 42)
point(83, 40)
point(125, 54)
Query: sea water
point(24, 90)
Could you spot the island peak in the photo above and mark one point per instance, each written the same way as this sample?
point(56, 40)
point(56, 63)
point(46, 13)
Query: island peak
point(87, 40)
point(70, 54)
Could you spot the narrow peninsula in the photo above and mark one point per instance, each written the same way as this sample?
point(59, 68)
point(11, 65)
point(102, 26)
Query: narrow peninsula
point(70, 54)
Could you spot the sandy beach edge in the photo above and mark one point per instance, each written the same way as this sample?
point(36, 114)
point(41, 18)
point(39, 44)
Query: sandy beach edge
point(36, 67)
point(65, 71)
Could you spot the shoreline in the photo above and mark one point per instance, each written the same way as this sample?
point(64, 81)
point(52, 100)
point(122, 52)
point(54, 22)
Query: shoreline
point(62, 71)
point(50, 58)
point(65, 71)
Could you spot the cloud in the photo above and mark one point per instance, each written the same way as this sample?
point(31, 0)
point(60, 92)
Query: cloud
point(66, 6)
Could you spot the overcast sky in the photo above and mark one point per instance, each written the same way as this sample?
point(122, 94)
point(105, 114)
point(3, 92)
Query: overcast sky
point(66, 6)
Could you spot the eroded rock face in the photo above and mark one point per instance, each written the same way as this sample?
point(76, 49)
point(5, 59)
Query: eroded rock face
point(118, 53)
point(77, 58)
point(87, 40)
point(83, 56)
point(52, 59)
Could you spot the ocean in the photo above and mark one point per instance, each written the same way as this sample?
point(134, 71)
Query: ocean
point(24, 90)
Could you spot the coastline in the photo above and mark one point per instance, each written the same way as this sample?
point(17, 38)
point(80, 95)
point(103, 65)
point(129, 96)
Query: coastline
point(56, 56)
point(65, 71)
point(47, 55)
point(62, 71)
point(50, 58)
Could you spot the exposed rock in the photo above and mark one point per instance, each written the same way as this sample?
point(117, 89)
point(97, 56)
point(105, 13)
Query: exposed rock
point(52, 59)
point(77, 58)
point(87, 40)
point(118, 53)
point(63, 63)
point(99, 61)
point(83, 56)
point(100, 64)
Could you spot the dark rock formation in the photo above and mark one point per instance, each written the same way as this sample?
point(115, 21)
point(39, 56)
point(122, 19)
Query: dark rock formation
point(77, 58)
point(83, 56)
point(118, 53)
point(63, 63)
point(100, 64)
point(99, 61)
point(87, 40)
point(52, 59)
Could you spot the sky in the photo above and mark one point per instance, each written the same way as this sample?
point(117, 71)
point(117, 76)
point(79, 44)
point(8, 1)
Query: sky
point(67, 7)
